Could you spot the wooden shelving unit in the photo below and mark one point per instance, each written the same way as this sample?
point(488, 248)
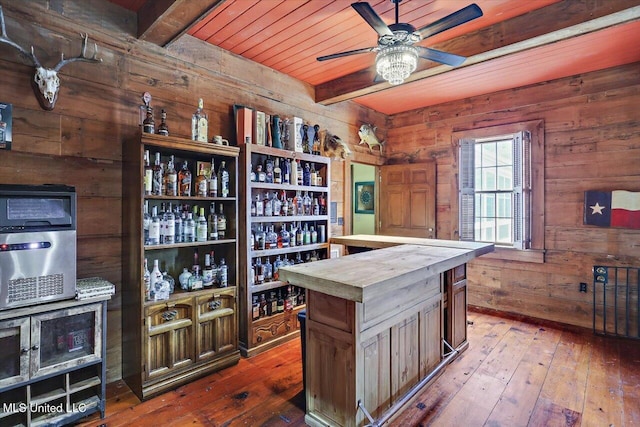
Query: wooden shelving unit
point(266, 332)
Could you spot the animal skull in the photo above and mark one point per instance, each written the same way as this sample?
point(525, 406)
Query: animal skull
point(48, 84)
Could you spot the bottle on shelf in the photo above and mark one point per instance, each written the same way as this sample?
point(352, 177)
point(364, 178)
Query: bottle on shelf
point(154, 227)
point(169, 226)
point(213, 180)
point(178, 226)
point(207, 272)
point(272, 238)
point(306, 175)
point(306, 204)
point(255, 307)
point(184, 180)
point(213, 223)
point(148, 174)
point(286, 171)
point(273, 302)
point(163, 129)
point(268, 206)
point(277, 204)
point(285, 237)
point(315, 146)
point(222, 223)
point(299, 174)
point(190, 229)
point(156, 184)
point(149, 124)
point(223, 274)
point(315, 210)
point(171, 178)
point(277, 172)
point(268, 167)
point(261, 176)
point(201, 227)
point(259, 206)
point(259, 272)
point(223, 179)
point(146, 222)
point(154, 278)
point(202, 184)
point(261, 238)
point(263, 306)
point(280, 303)
point(252, 174)
point(268, 270)
point(199, 124)
point(313, 180)
point(146, 279)
point(195, 281)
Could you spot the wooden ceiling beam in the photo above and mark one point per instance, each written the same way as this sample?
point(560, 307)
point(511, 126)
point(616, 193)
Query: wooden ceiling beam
point(559, 21)
point(163, 21)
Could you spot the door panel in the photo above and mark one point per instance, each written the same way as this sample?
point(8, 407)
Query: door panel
point(407, 195)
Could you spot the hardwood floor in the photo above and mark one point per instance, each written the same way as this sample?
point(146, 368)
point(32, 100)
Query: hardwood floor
point(514, 373)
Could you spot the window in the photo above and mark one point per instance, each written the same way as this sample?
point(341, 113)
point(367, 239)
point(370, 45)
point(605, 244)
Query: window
point(500, 186)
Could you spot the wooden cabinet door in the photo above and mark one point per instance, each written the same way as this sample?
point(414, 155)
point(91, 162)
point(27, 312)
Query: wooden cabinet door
point(216, 325)
point(14, 357)
point(408, 200)
point(169, 337)
point(456, 288)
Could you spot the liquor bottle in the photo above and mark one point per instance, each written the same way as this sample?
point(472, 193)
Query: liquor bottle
point(156, 184)
point(223, 274)
point(299, 236)
point(252, 173)
point(272, 239)
point(286, 171)
point(322, 203)
point(263, 306)
point(268, 205)
point(169, 226)
point(277, 172)
point(213, 223)
point(252, 273)
point(314, 175)
point(146, 222)
point(268, 169)
point(255, 307)
point(149, 124)
point(307, 234)
point(299, 173)
point(285, 204)
point(213, 180)
point(306, 175)
point(314, 235)
point(201, 227)
point(195, 281)
point(171, 179)
point(275, 131)
point(222, 224)
point(202, 184)
point(262, 177)
point(178, 225)
point(163, 221)
point(259, 272)
point(280, 303)
point(163, 129)
point(223, 180)
point(154, 278)
point(252, 210)
point(306, 204)
point(273, 303)
point(276, 267)
point(190, 228)
point(315, 207)
point(277, 204)
point(268, 270)
point(259, 206)
point(207, 272)
point(154, 227)
point(288, 301)
point(146, 279)
point(292, 236)
point(199, 124)
point(148, 174)
point(184, 180)
point(285, 237)
point(261, 238)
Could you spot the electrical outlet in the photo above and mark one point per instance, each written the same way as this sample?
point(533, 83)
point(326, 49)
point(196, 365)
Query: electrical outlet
point(583, 287)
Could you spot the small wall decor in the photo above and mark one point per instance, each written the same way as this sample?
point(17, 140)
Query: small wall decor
point(5, 126)
point(367, 134)
point(612, 208)
point(45, 81)
point(364, 197)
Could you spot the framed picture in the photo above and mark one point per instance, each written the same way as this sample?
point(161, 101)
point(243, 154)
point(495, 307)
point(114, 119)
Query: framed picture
point(363, 194)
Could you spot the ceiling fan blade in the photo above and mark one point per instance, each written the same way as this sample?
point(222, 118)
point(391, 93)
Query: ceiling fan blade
point(368, 14)
point(439, 56)
point(466, 14)
point(347, 53)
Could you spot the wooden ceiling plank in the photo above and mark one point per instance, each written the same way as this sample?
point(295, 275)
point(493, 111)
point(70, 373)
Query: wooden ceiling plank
point(163, 21)
point(537, 28)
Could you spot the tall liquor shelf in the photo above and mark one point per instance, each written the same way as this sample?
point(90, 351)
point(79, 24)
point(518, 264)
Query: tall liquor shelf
point(172, 341)
point(268, 307)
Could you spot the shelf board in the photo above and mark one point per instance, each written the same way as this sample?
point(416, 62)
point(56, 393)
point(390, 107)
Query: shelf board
point(84, 384)
point(289, 250)
point(285, 218)
point(175, 143)
point(48, 396)
point(190, 198)
point(89, 406)
point(292, 187)
point(267, 286)
point(179, 294)
point(188, 244)
point(293, 312)
point(279, 152)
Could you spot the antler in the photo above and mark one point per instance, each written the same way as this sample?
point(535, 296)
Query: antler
point(83, 55)
point(4, 38)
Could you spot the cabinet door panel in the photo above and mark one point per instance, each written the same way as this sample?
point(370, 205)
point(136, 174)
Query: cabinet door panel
point(216, 330)
point(14, 357)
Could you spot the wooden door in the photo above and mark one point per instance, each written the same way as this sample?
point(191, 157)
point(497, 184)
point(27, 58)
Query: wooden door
point(408, 200)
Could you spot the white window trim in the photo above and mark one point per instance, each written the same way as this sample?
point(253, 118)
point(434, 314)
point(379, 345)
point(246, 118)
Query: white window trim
point(535, 252)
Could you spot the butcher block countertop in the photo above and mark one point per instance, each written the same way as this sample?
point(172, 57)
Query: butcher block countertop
point(369, 275)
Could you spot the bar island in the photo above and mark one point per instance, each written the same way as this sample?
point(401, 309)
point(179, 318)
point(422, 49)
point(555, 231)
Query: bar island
point(376, 322)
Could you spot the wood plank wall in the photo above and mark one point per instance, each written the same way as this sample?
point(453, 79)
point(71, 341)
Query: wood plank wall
point(592, 137)
point(79, 143)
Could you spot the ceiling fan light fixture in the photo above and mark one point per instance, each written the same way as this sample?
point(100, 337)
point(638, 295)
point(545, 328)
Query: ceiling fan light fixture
point(396, 63)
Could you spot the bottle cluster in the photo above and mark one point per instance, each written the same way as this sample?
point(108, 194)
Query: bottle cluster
point(285, 171)
point(160, 285)
point(277, 203)
point(266, 272)
point(273, 302)
point(164, 179)
point(183, 223)
point(292, 235)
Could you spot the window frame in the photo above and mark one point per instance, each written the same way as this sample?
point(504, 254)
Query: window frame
point(535, 128)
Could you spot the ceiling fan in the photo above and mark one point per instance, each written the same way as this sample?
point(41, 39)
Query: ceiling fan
point(397, 54)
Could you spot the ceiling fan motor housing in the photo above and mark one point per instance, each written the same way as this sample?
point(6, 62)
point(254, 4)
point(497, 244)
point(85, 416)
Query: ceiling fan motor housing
point(402, 34)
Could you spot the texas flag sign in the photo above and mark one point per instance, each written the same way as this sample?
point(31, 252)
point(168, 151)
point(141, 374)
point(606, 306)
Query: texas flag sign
point(612, 208)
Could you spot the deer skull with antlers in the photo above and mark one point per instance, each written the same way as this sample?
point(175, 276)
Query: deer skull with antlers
point(45, 82)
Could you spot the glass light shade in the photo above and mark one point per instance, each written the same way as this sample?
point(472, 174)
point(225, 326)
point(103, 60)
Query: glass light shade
point(396, 63)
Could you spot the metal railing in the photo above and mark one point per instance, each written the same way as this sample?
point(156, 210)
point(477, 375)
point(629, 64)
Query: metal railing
point(616, 305)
